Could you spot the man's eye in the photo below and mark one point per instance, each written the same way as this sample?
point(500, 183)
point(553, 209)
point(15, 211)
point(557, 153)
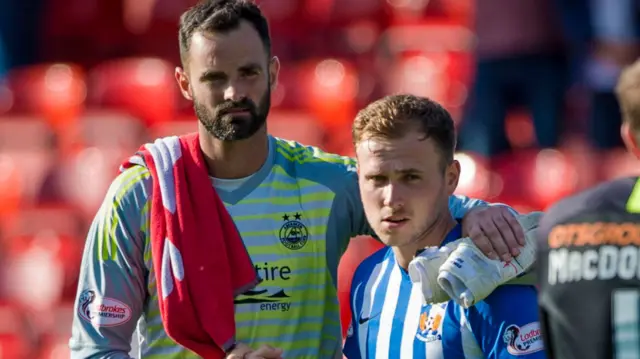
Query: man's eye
point(250, 74)
point(412, 177)
point(217, 81)
point(378, 179)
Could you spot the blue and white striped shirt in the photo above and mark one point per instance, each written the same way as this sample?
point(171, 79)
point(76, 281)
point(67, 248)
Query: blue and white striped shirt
point(389, 319)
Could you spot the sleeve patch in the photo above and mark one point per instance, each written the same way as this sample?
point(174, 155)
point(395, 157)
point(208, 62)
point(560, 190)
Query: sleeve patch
point(523, 340)
point(102, 311)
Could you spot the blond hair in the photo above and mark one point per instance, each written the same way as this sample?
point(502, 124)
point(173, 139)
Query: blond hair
point(391, 117)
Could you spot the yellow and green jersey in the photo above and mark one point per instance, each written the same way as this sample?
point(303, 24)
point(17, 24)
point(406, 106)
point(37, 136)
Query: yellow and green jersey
point(295, 216)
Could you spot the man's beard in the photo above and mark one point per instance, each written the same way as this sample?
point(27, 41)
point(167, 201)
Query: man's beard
point(225, 126)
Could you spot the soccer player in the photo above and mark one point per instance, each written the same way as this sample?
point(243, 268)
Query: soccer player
point(295, 207)
point(589, 272)
point(404, 147)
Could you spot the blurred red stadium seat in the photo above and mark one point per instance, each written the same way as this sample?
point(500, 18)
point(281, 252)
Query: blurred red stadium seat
point(288, 25)
point(475, 176)
point(537, 177)
point(297, 126)
point(422, 75)
point(152, 26)
point(408, 11)
point(86, 176)
point(12, 346)
point(31, 168)
point(61, 218)
point(63, 318)
point(551, 176)
point(444, 37)
point(436, 75)
point(10, 319)
point(6, 98)
point(112, 129)
point(25, 133)
point(519, 129)
point(349, 27)
point(11, 186)
point(343, 12)
point(145, 87)
point(60, 225)
point(55, 348)
point(28, 257)
point(330, 88)
point(359, 249)
point(55, 91)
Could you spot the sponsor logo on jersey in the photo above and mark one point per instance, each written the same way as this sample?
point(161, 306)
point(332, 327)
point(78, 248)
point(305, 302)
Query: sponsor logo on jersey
point(362, 320)
point(523, 340)
point(293, 233)
point(102, 311)
point(429, 323)
point(593, 251)
point(269, 300)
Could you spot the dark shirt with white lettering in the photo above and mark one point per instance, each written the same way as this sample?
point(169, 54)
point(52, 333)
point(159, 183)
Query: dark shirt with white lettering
point(589, 273)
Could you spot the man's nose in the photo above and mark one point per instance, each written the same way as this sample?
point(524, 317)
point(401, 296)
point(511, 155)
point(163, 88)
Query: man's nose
point(234, 92)
point(393, 196)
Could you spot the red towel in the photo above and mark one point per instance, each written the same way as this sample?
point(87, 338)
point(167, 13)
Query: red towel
point(200, 261)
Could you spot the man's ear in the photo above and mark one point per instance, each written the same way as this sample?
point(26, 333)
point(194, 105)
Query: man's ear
point(274, 70)
point(452, 176)
point(630, 139)
point(183, 83)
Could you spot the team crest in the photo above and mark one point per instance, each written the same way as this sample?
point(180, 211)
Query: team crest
point(523, 340)
point(293, 233)
point(429, 323)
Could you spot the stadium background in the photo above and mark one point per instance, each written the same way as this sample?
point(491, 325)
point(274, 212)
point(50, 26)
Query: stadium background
point(84, 83)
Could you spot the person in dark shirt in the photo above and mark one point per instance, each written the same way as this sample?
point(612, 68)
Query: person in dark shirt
point(589, 258)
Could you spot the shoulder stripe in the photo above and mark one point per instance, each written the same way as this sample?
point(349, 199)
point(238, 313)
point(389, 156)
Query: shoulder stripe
point(304, 155)
point(127, 180)
point(107, 246)
point(633, 204)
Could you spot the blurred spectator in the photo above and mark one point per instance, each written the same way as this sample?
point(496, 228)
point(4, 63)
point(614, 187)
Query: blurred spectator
point(19, 32)
point(4, 67)
point(615, 45)
point(520, 60)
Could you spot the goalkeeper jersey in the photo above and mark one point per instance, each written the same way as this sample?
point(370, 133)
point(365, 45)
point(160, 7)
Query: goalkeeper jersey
point(295, 215)
point(390, 321)
point(589, 273)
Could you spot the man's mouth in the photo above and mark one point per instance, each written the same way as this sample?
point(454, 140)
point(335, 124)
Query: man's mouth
point(394, 220)
point(238, 110)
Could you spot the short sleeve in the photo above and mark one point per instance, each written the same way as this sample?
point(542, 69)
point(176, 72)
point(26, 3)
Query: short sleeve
point(507, 325)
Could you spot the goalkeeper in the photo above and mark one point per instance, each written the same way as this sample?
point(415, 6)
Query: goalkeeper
point(588, 261)
point(404, 146)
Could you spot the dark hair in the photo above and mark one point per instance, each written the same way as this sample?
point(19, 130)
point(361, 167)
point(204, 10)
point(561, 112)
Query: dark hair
point(393, 116)
point(221, 16)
